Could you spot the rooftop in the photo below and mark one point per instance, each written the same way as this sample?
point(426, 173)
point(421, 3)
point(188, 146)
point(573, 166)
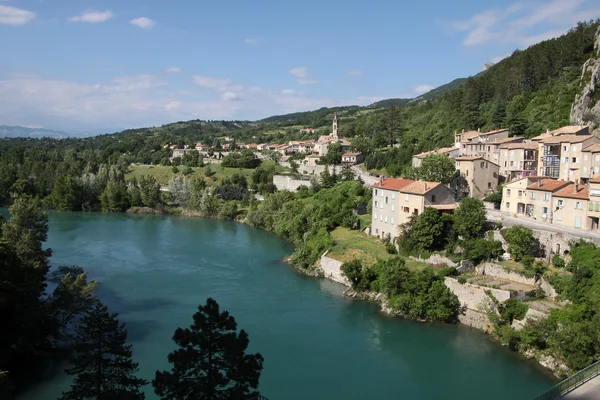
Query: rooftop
point(468, 158)
point(524, 146)
point(442, 150)
point(595, 180)
point(548, 185)
point(594, 148)
point(574, 191)
point(351, 154)
point(566, 139)
point(406, 185)
point(473, 134)
point(564, 130)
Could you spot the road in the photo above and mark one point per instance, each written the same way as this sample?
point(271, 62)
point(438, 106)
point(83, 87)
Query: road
point(588, 391)
point(366, 177)
point(507, 220)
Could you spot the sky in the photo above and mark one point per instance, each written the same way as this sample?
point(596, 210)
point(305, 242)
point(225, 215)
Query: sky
point(106, 65)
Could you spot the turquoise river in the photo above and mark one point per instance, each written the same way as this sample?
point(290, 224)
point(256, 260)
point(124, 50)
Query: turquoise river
point(155, 271)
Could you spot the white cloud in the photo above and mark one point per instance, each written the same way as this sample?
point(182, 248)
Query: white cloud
point(524, 23)
point(15, 16)
point(145, 100)
point(173, 70)
point(221, 85)
point(355, 72)
point(420, 89)
point(304, 78)
point(92, 16)
point(252, 40)
point(143, 23)
point(230, 96)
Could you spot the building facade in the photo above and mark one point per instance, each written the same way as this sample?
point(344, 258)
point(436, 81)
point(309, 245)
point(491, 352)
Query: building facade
point(480, 174)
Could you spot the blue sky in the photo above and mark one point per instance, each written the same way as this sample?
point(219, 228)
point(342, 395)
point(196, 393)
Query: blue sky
point(104, 65)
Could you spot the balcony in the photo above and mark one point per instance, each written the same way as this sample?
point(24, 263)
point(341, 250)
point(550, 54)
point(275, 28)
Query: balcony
point(551, 150)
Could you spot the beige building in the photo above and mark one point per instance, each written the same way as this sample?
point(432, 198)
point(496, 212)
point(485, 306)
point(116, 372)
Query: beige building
point(531, 197)
point(561, 157)
point(518, 160)
point(571, 207)
point(593, 214)
point(564, 130)
point(484, 144)
point(451, 152)
point(395, 200)
point(591, 162)
point(480, 174)
point(321, 146)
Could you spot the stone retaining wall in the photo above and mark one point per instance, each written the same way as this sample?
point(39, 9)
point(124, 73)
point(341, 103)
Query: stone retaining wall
point(551, 293)
point(530, 315)
point(288, 182)
point(498, 271)
point(475, 297)
point(435, 259)
point(332, 270)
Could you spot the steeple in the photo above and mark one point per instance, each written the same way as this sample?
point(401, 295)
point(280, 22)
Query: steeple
point(334, 133)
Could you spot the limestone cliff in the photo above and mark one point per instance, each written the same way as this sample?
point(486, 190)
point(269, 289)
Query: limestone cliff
point(586, 108)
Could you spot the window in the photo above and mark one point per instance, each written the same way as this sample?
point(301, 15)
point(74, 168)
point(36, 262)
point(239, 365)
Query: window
point(546, 196)
point(393, 207)
point(520, 193)
point(578, 205)
point(392, 220)
point(585, 157)
point(566, 149)
point(597, 157)
point(505, 163)
point(578, 221)
point(574, 160)
point(381, 205)
point(507, 205)
point(375, 203)
point(489, 185)
point(512, 153)
point(376, 231)
point(385, 219)
point(433, 198)
point(545, 210)
point(495, 175)
point(566, 160)
point(405, 197)
point(374, 215)
point(393, 195)
point(483, 164)
point(532, 195)
point(508, 192)
point(574, 149)
point(386, 200)
point(415, 211)
point(560, 203)
point(406, 209)
point(512, 163)
point(376, 192)
point(380, 217)
point(467, 172)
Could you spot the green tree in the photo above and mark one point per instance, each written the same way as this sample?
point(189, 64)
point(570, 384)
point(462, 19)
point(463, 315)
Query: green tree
point(150, 191)
point(115, 197)
point(66, 194)
point(470, 218)
point(211, 362)
point(521, 242)
point(347, 173)
point(436, 168)
point(103, 367)
point(424, 232)
point(334, 155)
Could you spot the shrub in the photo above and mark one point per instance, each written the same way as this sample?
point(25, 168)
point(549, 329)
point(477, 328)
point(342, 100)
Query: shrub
point(558, 261)
point(462, 280)
point(447, 271)
point(175, 169)
point(521, 242)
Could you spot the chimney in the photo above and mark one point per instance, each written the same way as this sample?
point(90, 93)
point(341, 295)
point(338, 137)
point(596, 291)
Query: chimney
point(539, 182)
point(575, 188)
point(425, 186)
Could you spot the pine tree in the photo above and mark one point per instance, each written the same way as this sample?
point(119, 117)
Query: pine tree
point(347, 172)
point(103, 365)
point(211, 362)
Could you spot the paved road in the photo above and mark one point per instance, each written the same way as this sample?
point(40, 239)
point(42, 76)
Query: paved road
point(507, 220)
point(366, 177)
point(588, 391)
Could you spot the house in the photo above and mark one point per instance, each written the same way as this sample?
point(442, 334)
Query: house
point(565, 130)
point(181, 152)
point(531, 197)
point(590, 163)
point(561, 157)
point(480, 174)
point(321, 146)
point(477, 143)
point(353, 157)
point(451, 152)
point(396, 200)
point(570, 206)
point(593, 218)
point(518, 160)
point(262, 146)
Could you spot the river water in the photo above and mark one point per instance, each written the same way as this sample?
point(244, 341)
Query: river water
point(155, 270)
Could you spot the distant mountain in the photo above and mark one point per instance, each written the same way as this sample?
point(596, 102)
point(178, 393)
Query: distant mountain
point(7, 131)
point(438, 91)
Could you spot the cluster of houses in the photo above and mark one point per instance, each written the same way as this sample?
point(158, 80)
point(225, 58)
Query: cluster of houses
point(552, 178)
point(313, 149)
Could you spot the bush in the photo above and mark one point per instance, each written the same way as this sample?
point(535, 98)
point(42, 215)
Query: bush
point(479, 250)
point(462, 280)
point(391, 249)
point(175, 169)
point(513, 309)
point(447, 271)
point(521, 242)
point(558, 261)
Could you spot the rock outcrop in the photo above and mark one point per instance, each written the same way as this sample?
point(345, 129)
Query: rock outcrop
point(586, 108)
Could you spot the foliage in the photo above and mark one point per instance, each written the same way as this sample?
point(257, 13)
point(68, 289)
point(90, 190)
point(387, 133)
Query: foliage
point(513, 309)
point(423, 232)
point(103, 367)
point(243, 159)
point(521, 242)
point(470, 218)
point(480, 249)
point(333, 156)
point(436, 168)
point(558, 261)
point(211, 361)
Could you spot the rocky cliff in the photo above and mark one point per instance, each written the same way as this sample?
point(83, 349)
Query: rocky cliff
point(586, 108)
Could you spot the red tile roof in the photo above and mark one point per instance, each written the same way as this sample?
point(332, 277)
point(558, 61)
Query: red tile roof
point(548, 185)
point(406, 185)
point(594, 148)
point(574, 192)
point(595, 180)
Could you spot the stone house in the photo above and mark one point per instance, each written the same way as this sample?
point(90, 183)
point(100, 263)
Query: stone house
point(571, 206)
point(480, 174)
point(353, 157)
point(451, 152)
point(477, 143)
point(561, 157)
point(396, 200)
point(531, 197)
